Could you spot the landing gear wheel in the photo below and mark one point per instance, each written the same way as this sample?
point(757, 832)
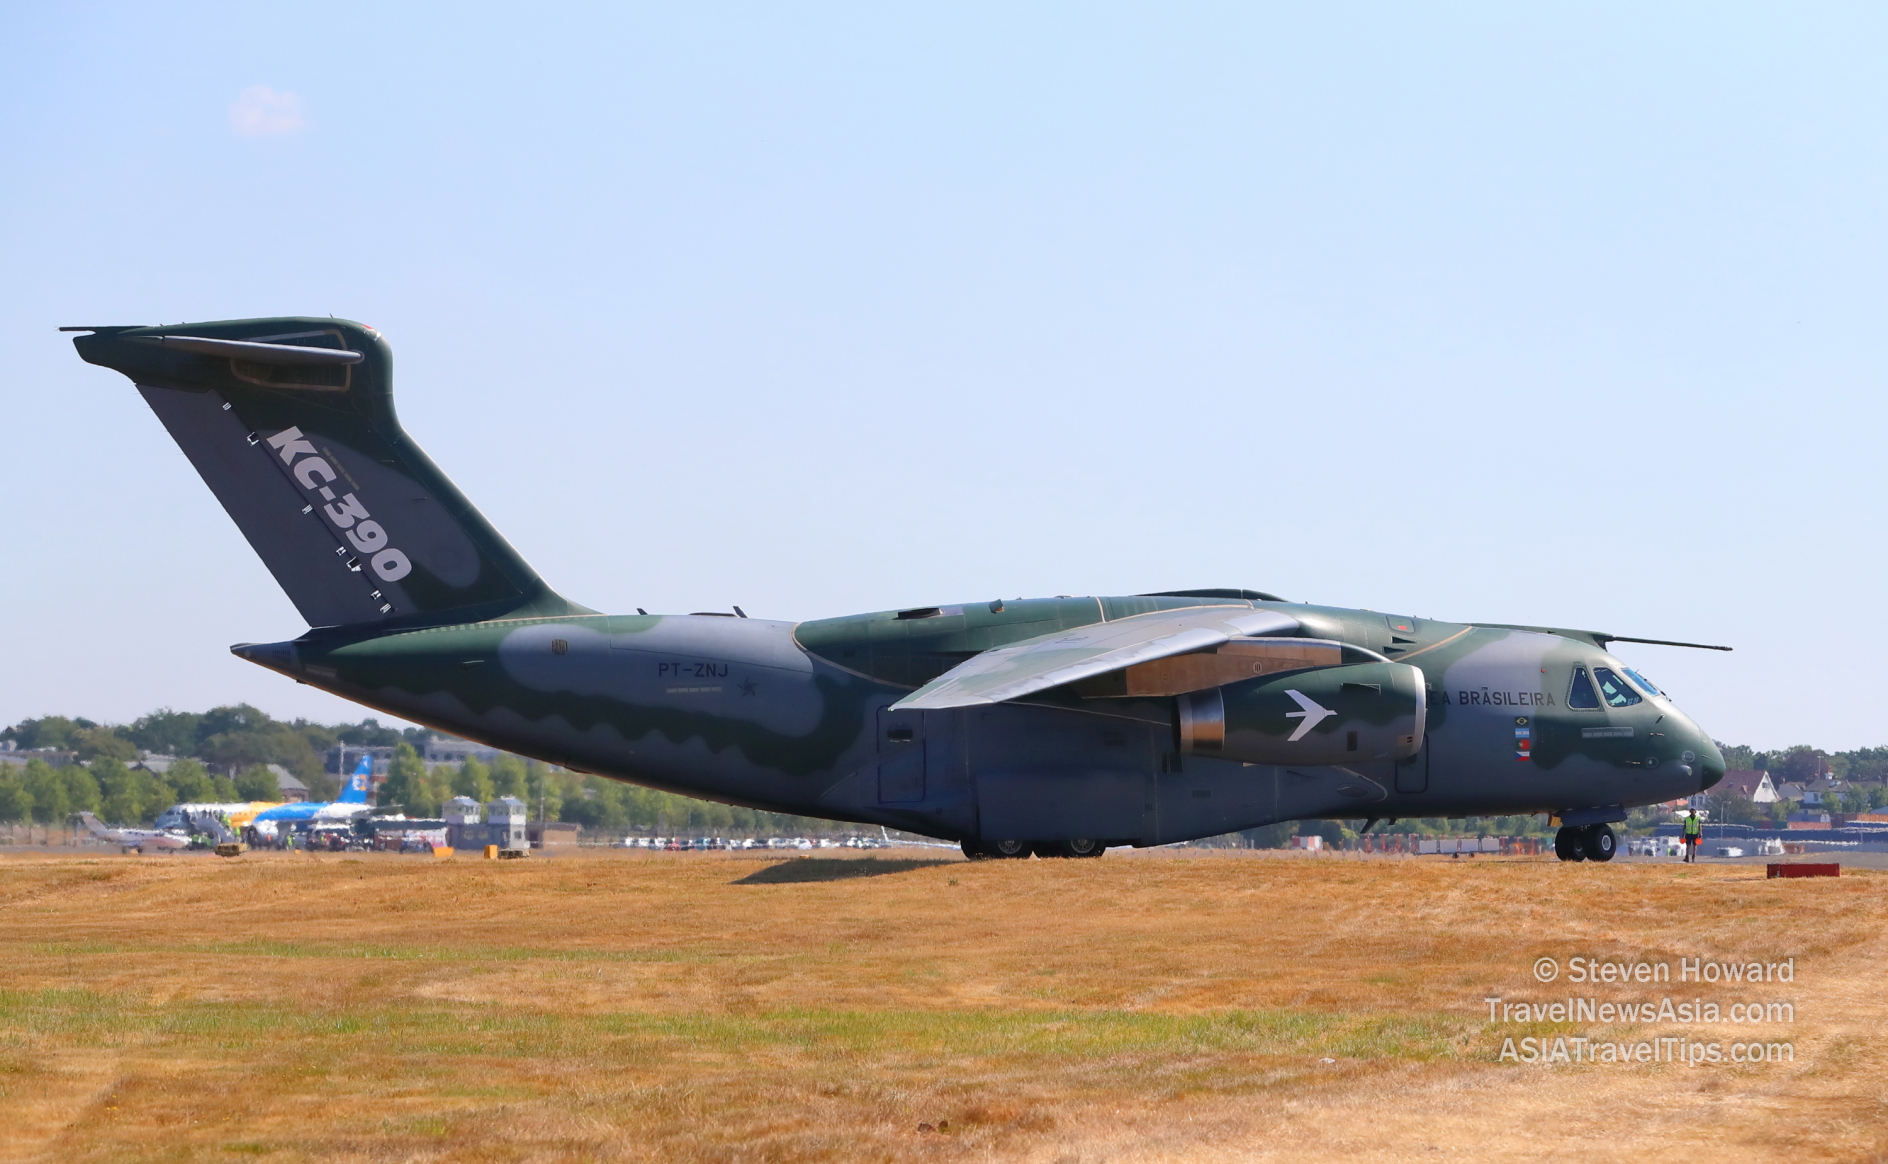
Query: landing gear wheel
point(974, 851)
point(1568, 844)
point(1012, 849)
point(1084, 847)
point(1598, 843)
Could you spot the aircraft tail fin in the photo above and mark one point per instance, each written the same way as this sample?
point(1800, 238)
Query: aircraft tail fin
point(92, 826)
point(290, 422)
point(356, 790)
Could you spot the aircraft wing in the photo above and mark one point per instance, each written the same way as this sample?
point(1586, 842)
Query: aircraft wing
point(1064, 656)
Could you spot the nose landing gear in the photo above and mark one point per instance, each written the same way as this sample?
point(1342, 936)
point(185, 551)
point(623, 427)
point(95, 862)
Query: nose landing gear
point(1591, 843)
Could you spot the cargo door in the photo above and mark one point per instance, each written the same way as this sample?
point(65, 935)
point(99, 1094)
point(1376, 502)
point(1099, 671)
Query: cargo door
point(900, 756)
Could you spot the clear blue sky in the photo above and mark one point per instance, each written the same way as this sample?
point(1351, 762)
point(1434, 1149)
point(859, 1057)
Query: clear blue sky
point(1525, 313)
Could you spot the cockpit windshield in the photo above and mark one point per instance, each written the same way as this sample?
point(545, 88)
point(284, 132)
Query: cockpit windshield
point(1642, 682)
point(1614, 690)
point(1580, 693)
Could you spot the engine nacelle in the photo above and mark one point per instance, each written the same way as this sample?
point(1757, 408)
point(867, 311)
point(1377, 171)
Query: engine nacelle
point(1332, 715)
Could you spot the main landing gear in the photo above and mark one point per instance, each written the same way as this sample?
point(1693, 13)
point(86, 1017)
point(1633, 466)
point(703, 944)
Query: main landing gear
point(1079, 847)
point(1591, 843)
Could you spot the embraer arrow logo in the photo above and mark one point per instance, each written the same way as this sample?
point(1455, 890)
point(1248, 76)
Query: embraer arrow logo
point(1312, 714)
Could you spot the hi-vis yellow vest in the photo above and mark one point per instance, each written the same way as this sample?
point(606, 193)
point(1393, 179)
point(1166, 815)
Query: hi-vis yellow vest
point(1691, 826)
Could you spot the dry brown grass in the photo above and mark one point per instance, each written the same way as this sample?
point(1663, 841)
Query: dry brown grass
point(1145, 1007)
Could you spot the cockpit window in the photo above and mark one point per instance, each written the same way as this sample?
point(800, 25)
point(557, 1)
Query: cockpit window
point(1616, 691)
point(1581, 695)
point(1642, 682)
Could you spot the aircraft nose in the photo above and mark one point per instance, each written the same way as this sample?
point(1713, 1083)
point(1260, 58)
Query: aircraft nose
point(1710, 764)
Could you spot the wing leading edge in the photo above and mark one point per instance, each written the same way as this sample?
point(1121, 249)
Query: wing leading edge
point(1065, 656)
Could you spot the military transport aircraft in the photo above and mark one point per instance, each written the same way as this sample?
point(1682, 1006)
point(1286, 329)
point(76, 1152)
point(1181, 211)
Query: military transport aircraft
point(1057, 726)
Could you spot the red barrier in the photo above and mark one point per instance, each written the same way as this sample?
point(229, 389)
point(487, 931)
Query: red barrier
point(1804, 870)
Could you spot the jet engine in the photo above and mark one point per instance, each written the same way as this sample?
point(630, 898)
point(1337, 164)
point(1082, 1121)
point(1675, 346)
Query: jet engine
point(1330, 715)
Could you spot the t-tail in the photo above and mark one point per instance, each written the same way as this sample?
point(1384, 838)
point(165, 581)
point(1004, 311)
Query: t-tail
point(290, 422)
point(92, 826)
point(356, 790)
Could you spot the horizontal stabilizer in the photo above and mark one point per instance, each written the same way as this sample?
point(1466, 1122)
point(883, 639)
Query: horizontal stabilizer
point(1065, 656)
point(290, 355)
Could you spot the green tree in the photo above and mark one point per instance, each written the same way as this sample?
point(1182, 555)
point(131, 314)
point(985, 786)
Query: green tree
point(82, 791)
point(1801, 764)
point(90, 744)
point(1864, 764)
point(257, 783)
point(409, 786)
point(131, 795)
point(237, 737)
point(509, 777)
point(472, 779)
point(47, 788)
point(166, 732)
point(1732, 807)
point(367, 734)
point(1737, 757)
point(600, 806)
point(545, 789)
point(16, 803)
point(190, 784)
point(52, 731)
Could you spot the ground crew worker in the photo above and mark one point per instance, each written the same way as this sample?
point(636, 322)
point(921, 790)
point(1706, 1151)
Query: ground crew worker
point(1693, 834)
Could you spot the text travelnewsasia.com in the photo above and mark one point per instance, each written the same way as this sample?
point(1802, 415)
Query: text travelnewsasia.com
point(1592, 1010)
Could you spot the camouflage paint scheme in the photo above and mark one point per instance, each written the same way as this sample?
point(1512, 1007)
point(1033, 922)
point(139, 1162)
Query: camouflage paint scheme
point(421, 610)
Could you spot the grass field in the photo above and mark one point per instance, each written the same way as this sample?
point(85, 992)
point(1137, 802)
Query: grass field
point(703, 1007)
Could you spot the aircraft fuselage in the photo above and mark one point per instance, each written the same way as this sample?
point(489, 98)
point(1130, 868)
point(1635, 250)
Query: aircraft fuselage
point(798, 718)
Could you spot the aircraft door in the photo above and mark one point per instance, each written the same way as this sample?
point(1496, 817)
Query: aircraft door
point(901, 748)
point(1412, 775)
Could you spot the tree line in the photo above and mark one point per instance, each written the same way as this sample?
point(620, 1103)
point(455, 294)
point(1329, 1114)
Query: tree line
point(1802, 763)
point(222, 756)
point(224, 740)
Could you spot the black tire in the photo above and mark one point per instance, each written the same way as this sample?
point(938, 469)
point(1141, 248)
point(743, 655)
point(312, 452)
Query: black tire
point(1598, 843)
point(1010, 849)
point(974, 851)
point(1568, 846)
point(1084, 847)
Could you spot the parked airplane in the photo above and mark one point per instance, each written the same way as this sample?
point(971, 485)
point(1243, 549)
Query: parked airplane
point(195, 815)
point(139, 839)
point(351, 803)
point(1051, 725)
